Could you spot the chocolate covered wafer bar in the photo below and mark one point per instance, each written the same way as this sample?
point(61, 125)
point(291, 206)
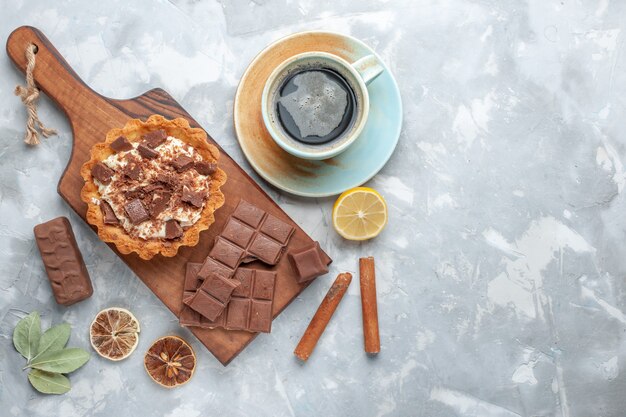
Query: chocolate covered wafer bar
point(63, 261)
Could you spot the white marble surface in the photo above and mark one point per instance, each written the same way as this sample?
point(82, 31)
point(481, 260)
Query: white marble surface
point(501, 270)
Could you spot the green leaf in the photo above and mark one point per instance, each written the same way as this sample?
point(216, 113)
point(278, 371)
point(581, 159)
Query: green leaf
point(54, 338)
point(63, 361)
point(49, 382)
point(27, 334)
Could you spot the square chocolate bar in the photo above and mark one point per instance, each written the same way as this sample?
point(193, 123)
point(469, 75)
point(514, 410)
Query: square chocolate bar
point(225, 252)
point(248, 213)
point(309, 262)
point(238, 233)
point(265, 250)
point(276, 229)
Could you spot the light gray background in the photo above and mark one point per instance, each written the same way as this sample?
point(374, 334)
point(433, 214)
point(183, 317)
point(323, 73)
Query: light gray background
point(500, 274)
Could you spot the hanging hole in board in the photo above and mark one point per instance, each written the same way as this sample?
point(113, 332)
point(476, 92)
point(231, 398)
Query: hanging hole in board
point(36, 48)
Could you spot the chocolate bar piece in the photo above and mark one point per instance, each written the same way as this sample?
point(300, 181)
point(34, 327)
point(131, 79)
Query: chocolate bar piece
point(132, 169)
point(136, 211)
point(154, 139)
point(160, 201)
point(258, 234)
point(63, 261)
point(250, 306)
point(309, 262)
point(107, 213)
point(205, 168)
point(212, 296)
point(182, 163)
point(146, 152)
point(121, 144)
point(189, 317)
point(195, 198)
point(102, 173)
point(173, 229)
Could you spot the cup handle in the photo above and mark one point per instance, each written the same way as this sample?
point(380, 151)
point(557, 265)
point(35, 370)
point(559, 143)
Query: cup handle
point(368, 67)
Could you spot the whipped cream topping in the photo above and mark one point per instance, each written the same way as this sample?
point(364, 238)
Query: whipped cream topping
point(116, 192)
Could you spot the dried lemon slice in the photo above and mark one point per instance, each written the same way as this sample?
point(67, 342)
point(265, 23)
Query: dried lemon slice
point(114, 333)
point(170, 361)
point(360, 214)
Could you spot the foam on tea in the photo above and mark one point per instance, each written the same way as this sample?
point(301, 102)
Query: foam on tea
point(315, 106)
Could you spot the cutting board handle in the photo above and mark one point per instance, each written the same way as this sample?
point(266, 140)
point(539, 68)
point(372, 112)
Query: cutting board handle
point(52, 73)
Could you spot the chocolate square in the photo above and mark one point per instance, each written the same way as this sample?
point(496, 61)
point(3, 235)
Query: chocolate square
point(244, 276)
point(136, 211)
point(211, 266)
point(102, 173)
point(277, 229)
point(173, 229)
point(107, 213)
point(218, 287)
point(206, 305)
point(195, 198)
point(308, 262)
point(182, 163)
point(155, 138)
point(205, 168)
point(146, 152)
point(265, 249)
point(248, 214)
point(238, 313)
point(121, 144)
point(264, 285)
point(192, 281)
point(237, 232)
point(226, 253)
point(260, 316)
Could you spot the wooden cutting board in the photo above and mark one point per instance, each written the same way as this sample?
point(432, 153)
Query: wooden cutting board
point(91, 116)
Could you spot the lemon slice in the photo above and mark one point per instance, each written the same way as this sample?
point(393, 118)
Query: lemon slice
point(114, 333)
point(360, 214)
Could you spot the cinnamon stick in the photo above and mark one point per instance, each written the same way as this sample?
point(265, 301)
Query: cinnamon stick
point(322, 316)
point(368, 304)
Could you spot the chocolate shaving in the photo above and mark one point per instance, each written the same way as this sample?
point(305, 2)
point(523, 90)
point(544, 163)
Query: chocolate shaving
point(173, 229)
point(102, 173)
point(154, 187)
point(136, 211)
point(107, 213)
point(146, 152)
point(205, 168)
point(182, 163)
point(195, 198)
point(121, 144)
point(154, 139)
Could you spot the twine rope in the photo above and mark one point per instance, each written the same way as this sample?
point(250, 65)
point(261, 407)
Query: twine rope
point(29, 96)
